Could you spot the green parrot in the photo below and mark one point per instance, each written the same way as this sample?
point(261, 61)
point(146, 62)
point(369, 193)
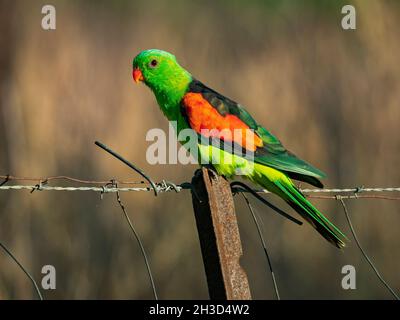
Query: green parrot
point(192, 105)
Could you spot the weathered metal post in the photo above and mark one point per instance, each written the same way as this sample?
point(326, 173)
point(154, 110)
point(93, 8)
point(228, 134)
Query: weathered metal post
point(219, 237)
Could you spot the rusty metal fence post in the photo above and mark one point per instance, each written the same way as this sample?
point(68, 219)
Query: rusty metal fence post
point(219, 237)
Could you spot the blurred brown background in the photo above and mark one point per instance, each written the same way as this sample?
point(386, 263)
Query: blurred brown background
point(331, 96)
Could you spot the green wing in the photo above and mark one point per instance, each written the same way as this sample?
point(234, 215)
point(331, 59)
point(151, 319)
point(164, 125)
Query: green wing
point(273, 153)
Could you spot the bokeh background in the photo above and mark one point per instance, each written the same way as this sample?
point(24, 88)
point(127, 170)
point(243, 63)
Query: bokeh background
point(332, 96)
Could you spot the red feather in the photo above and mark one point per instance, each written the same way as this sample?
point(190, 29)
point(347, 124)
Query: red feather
point(202, 115)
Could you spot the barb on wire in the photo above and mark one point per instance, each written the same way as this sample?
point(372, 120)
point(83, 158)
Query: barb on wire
point(129, 164)
point(39, 186)
point(136, 235)
point(6, 178)
point(252, 211)
point(362, 250)
point(10, 254)
point(245, 187)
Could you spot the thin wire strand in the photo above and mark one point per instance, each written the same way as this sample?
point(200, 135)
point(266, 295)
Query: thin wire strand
point(355, 196)
point(245, 187)
point(65, 178)
point(140, 245)
point(10, 254)
point(129, 164)
point(263, 244)
point(362, 250)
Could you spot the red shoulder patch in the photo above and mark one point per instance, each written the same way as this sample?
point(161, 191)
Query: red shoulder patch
point(206, 120)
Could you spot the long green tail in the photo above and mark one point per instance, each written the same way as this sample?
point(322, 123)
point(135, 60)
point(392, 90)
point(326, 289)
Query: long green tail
point(278, 183)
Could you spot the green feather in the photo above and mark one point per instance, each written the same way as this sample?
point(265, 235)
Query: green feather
point(287, 191)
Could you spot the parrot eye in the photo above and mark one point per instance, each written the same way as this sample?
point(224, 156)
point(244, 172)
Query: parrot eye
point(153, 63)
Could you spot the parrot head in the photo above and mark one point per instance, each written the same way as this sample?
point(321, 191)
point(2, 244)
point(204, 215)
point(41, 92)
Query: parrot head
point(160, 71)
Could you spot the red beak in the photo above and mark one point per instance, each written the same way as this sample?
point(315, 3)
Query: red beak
point(137, 75)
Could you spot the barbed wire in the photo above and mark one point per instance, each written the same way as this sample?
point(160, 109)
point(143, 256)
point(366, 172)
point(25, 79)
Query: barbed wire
point(112, 186)
point(104, 186)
